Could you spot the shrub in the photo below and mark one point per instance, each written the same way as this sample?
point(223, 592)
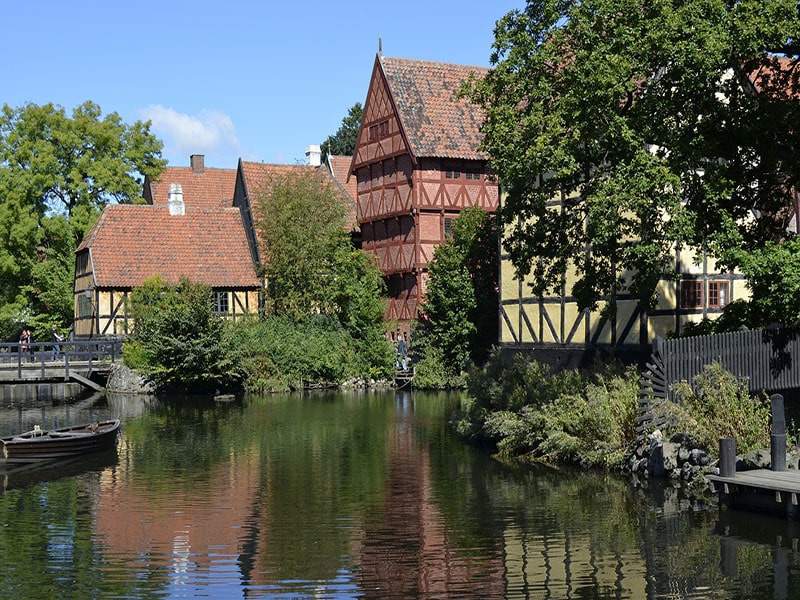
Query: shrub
point(716, 405)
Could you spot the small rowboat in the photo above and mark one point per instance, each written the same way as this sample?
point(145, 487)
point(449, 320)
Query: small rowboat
point(38, 444)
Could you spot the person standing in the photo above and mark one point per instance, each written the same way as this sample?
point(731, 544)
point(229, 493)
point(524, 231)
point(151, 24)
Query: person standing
point(31, 351)
point(56, 339)
point(402, 351)
point(23, 344)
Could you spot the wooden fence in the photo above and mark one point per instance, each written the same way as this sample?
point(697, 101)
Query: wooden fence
point(769, 358)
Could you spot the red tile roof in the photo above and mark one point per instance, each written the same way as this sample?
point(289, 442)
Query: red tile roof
point(130, 243)
point(257, 175)
point(779, 75)
point(210, 188)
point(340, 170)
point(436, 123)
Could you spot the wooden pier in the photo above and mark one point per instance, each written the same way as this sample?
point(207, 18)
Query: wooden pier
point(775, 490)
point(763, 490)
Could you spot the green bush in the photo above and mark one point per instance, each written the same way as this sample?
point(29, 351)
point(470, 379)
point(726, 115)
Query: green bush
point(278, 352)
point(717, 404)
point(524, 409)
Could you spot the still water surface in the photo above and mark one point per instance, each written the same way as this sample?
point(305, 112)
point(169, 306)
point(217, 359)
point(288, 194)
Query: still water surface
point(359, 495)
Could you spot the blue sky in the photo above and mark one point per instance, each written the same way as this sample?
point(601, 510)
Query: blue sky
point(256, 80)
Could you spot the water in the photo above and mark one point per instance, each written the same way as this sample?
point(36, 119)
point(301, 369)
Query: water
point(363, 495)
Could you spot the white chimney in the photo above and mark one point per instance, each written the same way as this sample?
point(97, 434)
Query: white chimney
point(313, 156)
point(175, 203)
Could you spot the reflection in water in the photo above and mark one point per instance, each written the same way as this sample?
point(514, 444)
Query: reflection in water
point(363, 495)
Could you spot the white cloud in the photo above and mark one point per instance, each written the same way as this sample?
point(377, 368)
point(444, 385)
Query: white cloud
point(211, 133)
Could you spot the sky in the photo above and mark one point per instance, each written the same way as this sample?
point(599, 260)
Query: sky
point(253, 80)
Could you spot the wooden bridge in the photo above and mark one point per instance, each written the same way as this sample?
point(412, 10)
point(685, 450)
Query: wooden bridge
point(82, 361)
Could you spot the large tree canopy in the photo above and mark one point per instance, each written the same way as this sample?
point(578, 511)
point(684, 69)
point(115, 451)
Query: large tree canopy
point(56, 174)
point(642, 116)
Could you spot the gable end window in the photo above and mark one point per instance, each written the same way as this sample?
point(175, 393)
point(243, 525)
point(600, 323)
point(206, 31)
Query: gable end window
point(691, 293)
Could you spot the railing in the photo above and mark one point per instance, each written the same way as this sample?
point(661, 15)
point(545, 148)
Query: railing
point(49, 355)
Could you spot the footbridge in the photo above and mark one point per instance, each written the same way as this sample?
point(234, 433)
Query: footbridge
point(87, 362)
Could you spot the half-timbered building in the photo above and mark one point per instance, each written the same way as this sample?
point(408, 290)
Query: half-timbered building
point(188, 228)
point(699, 289)
point(417, 166)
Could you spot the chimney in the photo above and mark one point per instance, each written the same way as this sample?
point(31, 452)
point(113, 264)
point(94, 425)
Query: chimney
point(313, 156)
point(198, 162)
point(175, 203)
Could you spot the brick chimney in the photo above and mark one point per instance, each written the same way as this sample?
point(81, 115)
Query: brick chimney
point(175, 202)
point(313, 156)
point(198, 162)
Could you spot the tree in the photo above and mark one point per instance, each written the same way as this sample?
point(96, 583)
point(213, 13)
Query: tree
point(56, 174)
point(459, 314)
point(177, 341)
point(641, 115)
point(343, 142)
point(301, 219)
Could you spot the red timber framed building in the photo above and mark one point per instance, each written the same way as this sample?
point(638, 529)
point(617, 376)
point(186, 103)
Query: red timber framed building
point(417, 166)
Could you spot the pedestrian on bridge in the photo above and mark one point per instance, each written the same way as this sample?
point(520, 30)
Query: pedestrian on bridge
point(56, 340)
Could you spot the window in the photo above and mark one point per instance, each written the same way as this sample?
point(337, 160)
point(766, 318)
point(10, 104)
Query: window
point(220, 302)
point(452, 174)
point(473, 173)
point(448, 227)
point(718, 296)
point(691, 293)
point(379, 131)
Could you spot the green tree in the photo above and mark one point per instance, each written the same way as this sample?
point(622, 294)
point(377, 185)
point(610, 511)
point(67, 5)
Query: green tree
point(56, 174)
point(459, 315)
point(177, 341)
point(301, 218)
point(640, 114)
point(343, 142)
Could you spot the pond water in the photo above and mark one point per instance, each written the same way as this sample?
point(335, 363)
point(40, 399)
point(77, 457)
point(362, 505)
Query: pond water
point(355, 495)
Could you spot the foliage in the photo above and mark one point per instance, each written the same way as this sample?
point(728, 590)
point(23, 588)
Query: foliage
point(459, 315)
point(301, 220)
point(278, 353)
point(430, 372)
point(358, 303)
point(56, 174)
point(640, 116)
point(177, 341)
point(526, 410)
point(343, 142)
point(717, 404)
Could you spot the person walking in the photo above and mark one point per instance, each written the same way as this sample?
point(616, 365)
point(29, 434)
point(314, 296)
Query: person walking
point(56, 339)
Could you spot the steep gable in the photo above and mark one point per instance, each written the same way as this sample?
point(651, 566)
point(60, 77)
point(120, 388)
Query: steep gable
point(435, 122)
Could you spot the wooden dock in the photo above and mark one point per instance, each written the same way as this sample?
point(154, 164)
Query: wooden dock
point(775, 490)
point(763, 490)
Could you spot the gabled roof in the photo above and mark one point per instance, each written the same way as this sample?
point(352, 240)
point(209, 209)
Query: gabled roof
point(435, 122)
point(202, 186)
point(130, 243)
point(258, 174)
point(780, 76)
point(339, 167)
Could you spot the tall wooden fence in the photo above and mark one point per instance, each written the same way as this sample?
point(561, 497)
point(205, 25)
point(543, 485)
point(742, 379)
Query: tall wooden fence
point(770, 358)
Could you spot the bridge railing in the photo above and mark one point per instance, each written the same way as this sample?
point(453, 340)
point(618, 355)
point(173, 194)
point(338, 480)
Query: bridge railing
point(46, 353)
